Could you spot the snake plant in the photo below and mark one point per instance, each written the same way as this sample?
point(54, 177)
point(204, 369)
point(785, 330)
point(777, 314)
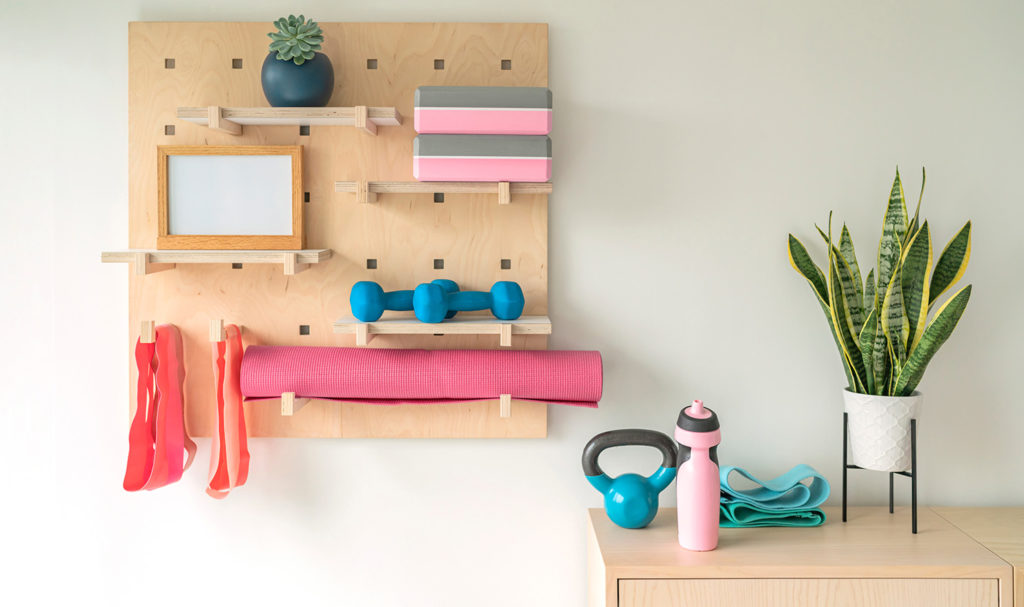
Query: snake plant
point(296, 39)
point(881, 324)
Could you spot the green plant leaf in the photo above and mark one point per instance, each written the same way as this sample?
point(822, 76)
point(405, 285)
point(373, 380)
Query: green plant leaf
point(299, 60)
point(806, 267)
point(938, 331)
point(802, 263)
point(894, 228)
point(867, 350)
point(869, 291)
point(850, 255)
point(880, 359)
point(308, 55)
point(915, 222)
point(278, 46)
point(952, 263)
point(302, 45)
point(894, 320)
point(841, 320)
point(915, 268)
point(851, 283)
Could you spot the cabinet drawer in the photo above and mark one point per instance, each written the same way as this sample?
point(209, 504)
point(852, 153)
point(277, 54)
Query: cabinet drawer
point(875, 592)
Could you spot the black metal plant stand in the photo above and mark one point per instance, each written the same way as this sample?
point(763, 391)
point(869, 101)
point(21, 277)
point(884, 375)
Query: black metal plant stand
point(912, 474)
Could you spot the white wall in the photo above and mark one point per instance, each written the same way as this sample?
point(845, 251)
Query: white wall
point(691, 137)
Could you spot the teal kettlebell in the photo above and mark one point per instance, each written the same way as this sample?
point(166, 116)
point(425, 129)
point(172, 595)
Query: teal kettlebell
point(630, 500)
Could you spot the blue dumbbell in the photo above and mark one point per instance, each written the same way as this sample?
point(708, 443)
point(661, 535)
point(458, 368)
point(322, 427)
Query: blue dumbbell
point(368, 299)
point(432, 303)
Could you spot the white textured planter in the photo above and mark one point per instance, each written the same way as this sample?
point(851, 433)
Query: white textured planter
point(880, 429)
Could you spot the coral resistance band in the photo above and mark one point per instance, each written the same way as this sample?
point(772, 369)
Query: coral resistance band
point(229, 462)
point(157, 441)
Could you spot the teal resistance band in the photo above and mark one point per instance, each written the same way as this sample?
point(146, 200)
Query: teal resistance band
point(784, 501)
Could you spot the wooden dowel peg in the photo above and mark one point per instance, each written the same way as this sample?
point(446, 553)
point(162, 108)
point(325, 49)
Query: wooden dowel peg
point(363, 335)
point(505, 405)
point(147, 332)
point(292, 265)
point(143, 266)
point(291, 405)
point(362, 120)
point(504, 192)
point(505, 335)
point(217, 330)
point(363, 193)
point(217, 122)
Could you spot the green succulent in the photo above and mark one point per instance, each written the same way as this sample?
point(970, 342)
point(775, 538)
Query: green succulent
point(296, 39)
point(881, 326)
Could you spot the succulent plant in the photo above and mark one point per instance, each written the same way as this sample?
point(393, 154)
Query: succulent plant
point(881, 326)
point(296, 39)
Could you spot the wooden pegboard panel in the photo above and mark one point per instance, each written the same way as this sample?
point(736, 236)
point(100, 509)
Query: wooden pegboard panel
point(404, 233)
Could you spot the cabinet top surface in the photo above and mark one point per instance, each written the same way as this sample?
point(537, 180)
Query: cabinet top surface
point(873, 543)
point(1001, 530)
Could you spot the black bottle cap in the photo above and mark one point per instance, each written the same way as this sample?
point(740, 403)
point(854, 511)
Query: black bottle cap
point(697, 424)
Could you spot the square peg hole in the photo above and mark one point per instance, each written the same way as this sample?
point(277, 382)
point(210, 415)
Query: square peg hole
point(438, 64)
point(236, 64)
point(236, 266)
point(438, 264)
point(168, 129)
point(438, 196)
point(371, 264)
point(304, 129)
point(303, 329)
point(371, 64)
point(506, 64)
point(169, 64)
point(305, 197)
point(506, 264)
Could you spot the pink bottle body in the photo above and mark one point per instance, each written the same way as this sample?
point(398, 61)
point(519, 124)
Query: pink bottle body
point(697, 479)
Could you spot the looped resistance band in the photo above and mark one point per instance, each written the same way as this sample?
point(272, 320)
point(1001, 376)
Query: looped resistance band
point(229, 461)
point(784, 501)
point(157, 440)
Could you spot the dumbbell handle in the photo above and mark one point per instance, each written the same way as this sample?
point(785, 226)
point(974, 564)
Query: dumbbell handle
point(467, 301)
point(400, 301)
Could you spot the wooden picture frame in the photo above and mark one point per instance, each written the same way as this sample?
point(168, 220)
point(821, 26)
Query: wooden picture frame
point(285, 235)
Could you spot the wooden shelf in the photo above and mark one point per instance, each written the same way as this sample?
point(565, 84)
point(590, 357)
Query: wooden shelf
point(147, 261)
point(232, 119)
point(464, 325)
point(366, 191)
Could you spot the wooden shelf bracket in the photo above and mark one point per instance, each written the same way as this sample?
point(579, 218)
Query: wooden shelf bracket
point(505, 405)
point(147, 332)
point(291, 405)
point(218, 122)
point(367, 191)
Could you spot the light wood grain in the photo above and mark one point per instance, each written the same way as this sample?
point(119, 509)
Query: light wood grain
point(872, 544)
point(147, 332)
point(1001, 530)
point(293, 261)
point(460, 325)
point(291, 116)
point(366, 191)
point(470, 232)
point(809, 593)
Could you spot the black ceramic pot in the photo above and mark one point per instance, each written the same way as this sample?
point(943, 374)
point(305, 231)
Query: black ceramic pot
point(288, 85)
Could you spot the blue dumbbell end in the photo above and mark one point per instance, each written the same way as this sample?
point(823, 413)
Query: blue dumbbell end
point(367, 301)
point(507, 300)
point(448, 286)
point(430, 303)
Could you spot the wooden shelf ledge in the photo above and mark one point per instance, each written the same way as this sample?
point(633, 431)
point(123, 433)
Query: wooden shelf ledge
point(366, 191)
point(148, 261)
point(467, 325)
point(232, 119)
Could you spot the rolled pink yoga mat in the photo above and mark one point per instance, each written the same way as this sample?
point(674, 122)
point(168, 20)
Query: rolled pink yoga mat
point(394, 376)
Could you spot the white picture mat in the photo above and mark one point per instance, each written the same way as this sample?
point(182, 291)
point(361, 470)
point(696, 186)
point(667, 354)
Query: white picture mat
point(229, 195)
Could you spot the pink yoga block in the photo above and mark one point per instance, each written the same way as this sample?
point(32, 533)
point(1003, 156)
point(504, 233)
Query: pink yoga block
point(395, 376)
point(495, 121)
point(471, 168)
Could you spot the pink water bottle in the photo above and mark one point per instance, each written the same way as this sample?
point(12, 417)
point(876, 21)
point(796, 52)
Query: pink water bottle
point(697, 482)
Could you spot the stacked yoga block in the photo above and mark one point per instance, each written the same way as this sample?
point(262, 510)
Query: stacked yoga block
point(482, 133)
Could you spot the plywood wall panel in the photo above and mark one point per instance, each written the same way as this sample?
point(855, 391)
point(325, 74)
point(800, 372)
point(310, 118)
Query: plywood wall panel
point(404, 233)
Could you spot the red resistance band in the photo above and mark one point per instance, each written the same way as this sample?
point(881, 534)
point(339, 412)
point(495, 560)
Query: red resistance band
point(157, 441)
point(229, 461)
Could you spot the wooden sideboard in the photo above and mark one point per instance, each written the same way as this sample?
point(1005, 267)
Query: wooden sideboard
point(872, 560)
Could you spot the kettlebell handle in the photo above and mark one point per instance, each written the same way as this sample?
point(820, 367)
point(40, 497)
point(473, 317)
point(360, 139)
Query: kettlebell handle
point(627, 437)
